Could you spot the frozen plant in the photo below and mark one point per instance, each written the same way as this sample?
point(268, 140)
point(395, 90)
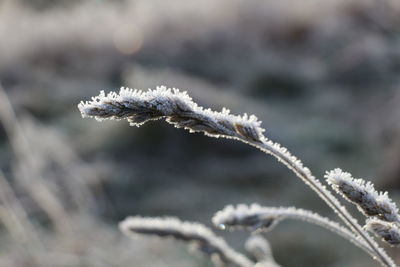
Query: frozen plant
point(382, 214)
point(363, 195)
point(199, 236)
point(178, 108)
point(389, 232)
point(261, 219)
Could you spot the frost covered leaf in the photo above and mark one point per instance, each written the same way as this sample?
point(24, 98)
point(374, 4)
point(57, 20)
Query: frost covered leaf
point(195, 234)
point(363, 194)
point(176, 107)
point(258, 218)
point(387, 231)
point(251, 217)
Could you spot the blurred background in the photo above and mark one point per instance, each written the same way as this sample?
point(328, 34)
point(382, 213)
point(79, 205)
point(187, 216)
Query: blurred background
point(323, 76)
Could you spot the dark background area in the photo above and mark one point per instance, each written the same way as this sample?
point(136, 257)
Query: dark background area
point(323, 76)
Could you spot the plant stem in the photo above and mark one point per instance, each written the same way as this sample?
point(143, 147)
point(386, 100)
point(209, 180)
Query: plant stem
point(304, 174)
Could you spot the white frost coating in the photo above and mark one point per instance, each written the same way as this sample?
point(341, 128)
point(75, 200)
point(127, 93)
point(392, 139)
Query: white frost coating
point(177, 107)
point(363, 194)
point(258, 218)
point(389, 232)
point(243, 216)
point(194, 233)
point(259, 247)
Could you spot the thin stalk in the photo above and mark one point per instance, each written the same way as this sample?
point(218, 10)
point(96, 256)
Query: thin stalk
point(257, 218)
point(303, 173)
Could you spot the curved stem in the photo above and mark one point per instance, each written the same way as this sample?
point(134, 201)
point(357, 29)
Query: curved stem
point(303, 173)
point(260, 218)
point(314, 218)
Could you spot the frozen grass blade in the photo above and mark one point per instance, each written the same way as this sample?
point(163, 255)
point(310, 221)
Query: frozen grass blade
point(257, 218)
point(176, 107)
point(195, 234)
point(389, 232)
point(363, 194)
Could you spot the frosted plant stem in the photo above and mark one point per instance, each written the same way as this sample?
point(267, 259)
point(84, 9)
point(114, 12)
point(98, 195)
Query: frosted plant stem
point(304, 174)
point(257, 218)
point(178, 109)
point(195, 234)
